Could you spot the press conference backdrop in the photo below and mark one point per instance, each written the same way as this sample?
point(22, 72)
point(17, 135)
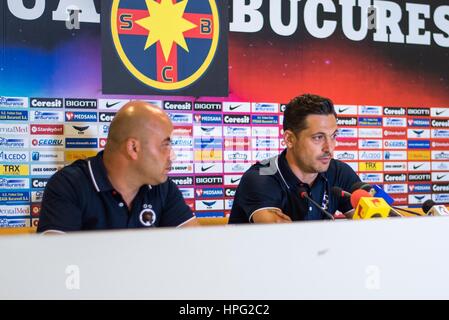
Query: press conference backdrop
point(390, 88)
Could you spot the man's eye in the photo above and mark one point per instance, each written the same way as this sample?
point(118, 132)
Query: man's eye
point(317, 138)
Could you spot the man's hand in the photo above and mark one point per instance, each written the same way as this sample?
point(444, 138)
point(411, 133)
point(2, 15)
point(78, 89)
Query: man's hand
point(270, 216)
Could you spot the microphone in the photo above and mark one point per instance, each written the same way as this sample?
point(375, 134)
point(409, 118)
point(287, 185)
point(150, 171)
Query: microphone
point(303, 194)
point(432, 209)
point(368, 207)
point(375, 190)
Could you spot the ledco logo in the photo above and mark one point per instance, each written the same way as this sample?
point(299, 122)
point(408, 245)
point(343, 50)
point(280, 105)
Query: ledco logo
point(153, 39)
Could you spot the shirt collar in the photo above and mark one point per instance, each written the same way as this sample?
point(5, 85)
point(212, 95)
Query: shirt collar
point(98, 174)
point(291, 179)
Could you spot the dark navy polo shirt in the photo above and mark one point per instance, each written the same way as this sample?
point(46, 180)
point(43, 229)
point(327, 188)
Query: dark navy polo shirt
point(272, 184)
point(80, 197)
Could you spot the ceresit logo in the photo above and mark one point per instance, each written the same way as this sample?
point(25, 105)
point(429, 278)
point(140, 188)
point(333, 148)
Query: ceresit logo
point(81, 116)
point(39, 183)
point(170, 27)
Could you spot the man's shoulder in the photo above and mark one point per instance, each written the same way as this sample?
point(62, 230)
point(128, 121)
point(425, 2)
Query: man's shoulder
point(339, 166)
point(262, 171)
point(76, 172)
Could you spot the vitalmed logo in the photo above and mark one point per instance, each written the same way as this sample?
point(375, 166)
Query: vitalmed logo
point(265, 131)
point(395, 155)
point(371, 110)
point(440, 133)
point(370, 155)
point(81, 116)
point(13, 115)
point(394, 122)
point(81, 103)
point(341, 109)
point(46, 102)
point(14, 183)
point(48, 142)
point(371, 177)
point(395, 144)
point(47, 129)
point(395, 133)
point(395, 188)
point(186, 131)
point(418, 133)
point(419, 112)
point(208, 118)
point(265, 107)
point(207, 106)
point(201, 193)
point(347, 132)
point(81, 130)
point(259, 119)
point(10, 143)
point(47, 156)
point(207, 131)
point(177, 105)
point(181, 168)
point(346, 155)
point(14, 129)
point(54, 116)
point(236, 167)
point(240, 107)
point(439, 112)
point(208, 167)
point(81, 143)
point(14, 156)
point(440, 155)
point(237, 155)
point(347, 121)
point(370, 144)
point(418, 122)
point(236, 119)
point(185, 118)
point(370, 122)
point(369, 133)
point(236, 131)
point(13, 211)
point(13, 102)
point(416, 188)
point(111, 104)
point(394, 111)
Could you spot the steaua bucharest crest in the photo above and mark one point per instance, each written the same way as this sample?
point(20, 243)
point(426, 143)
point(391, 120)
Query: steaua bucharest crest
point(166, 44)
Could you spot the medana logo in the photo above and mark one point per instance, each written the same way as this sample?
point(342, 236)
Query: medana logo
point(169, 26)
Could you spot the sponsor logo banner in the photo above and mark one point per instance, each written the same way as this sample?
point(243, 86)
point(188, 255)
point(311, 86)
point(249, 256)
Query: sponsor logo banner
point(90, 130)
point(236, 167)
point(370, 166)
point(14, 129)
point(369, 133)
point(418, 144)
point(13, 211)
point(71, 156)
point(111, 104)
point(441, 198)
point(440, 133)
point(39, 183)
point(102, 142)
point(186, 131)
point(400, 199)
point(81, 103)
point(209, 204)
point(14, 197)
point(439, 112)
point(258, 119)
point(264, 107)
point(440, 123)
point(265, 143)
point(345, 155)
point(237, 143)
point(13, 102)
point(395, 188)
point(228, 204)
point(232, 180)
point(239, 155)
point(48, 142)
point(207, 106)
point(370, 122)
point(187, 193)
point(350, 144)
point(182, 181)
point(370, 155)
point(14, 156)
point(47, 129)
point(395, 155)
point(182, 142)
point(209, 180)
point(440, 176)
point(46, 103)
point(442, 145)
point(14, 169)
point(184, 155)
point(419, 177)
point(370, 144)
point(371, 110)
point(418, 166)
point(347, 121)
point(236, 119)
point(239, 107)
point(395, 166)
point(13, 115)
point(441, 188)
point(395, 144)
point(230, 192)
point(394, 122)
point(80, 116)
point(45, 169)
point(264, 154)
point(14, 183)
point(265, 131)
point(208, 167)
point(342, 109)
point(41, 115)
point(418, 199)
point(395, 177)
point(395, 133)
point(440, 166)
point(10, 143)
point(394, 111)
point(419, 187)
point(208, 143)
point(440, 155)
point(36, 196)
point(416, 122)
point(208, 118)
point(181, 168)
point(418, 133)
point(184, 118)
point(420, 112)
point(208, 155)
point(418, 155)
point(177, 105)
point(106, 116)
point(207, 131)
point(47, 156)
point(371, 177)
point(201, 193)
point(348, 132)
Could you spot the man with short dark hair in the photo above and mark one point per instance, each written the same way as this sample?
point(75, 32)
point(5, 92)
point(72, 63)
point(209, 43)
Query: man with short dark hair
point(124, 186)
point(270, 191)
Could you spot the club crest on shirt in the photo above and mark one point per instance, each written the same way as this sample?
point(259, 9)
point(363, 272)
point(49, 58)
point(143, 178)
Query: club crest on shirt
point(147, 217)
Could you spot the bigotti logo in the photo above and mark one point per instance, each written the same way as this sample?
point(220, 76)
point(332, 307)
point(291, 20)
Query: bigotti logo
point(106, 116)
point(39, 183)
point(81, 116)
point(347, 121)
point(208, 180)
point(236, 119)
point(182, 181)
point(207, 106)
point(50, 129)
point(46, 103)
point(395, 177)
point(81, 103)
point(419, 177)
point(177, 105)
point(394, 111)
point(418, 112)
point(14, 156)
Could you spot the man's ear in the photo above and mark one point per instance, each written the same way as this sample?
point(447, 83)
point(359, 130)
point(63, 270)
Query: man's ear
point(289, 138)
point(133, 148)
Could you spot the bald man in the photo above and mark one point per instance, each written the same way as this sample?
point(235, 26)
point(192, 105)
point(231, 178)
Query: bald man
point(124, 186)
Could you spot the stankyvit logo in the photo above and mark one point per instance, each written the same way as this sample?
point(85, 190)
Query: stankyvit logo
point(13, 102)
point(13, 115)
point(81, 116)
point(81, 103)
point(158, 62)
point(207, 106)
point(46, 103)
point(177, 105)
point(47, 129)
